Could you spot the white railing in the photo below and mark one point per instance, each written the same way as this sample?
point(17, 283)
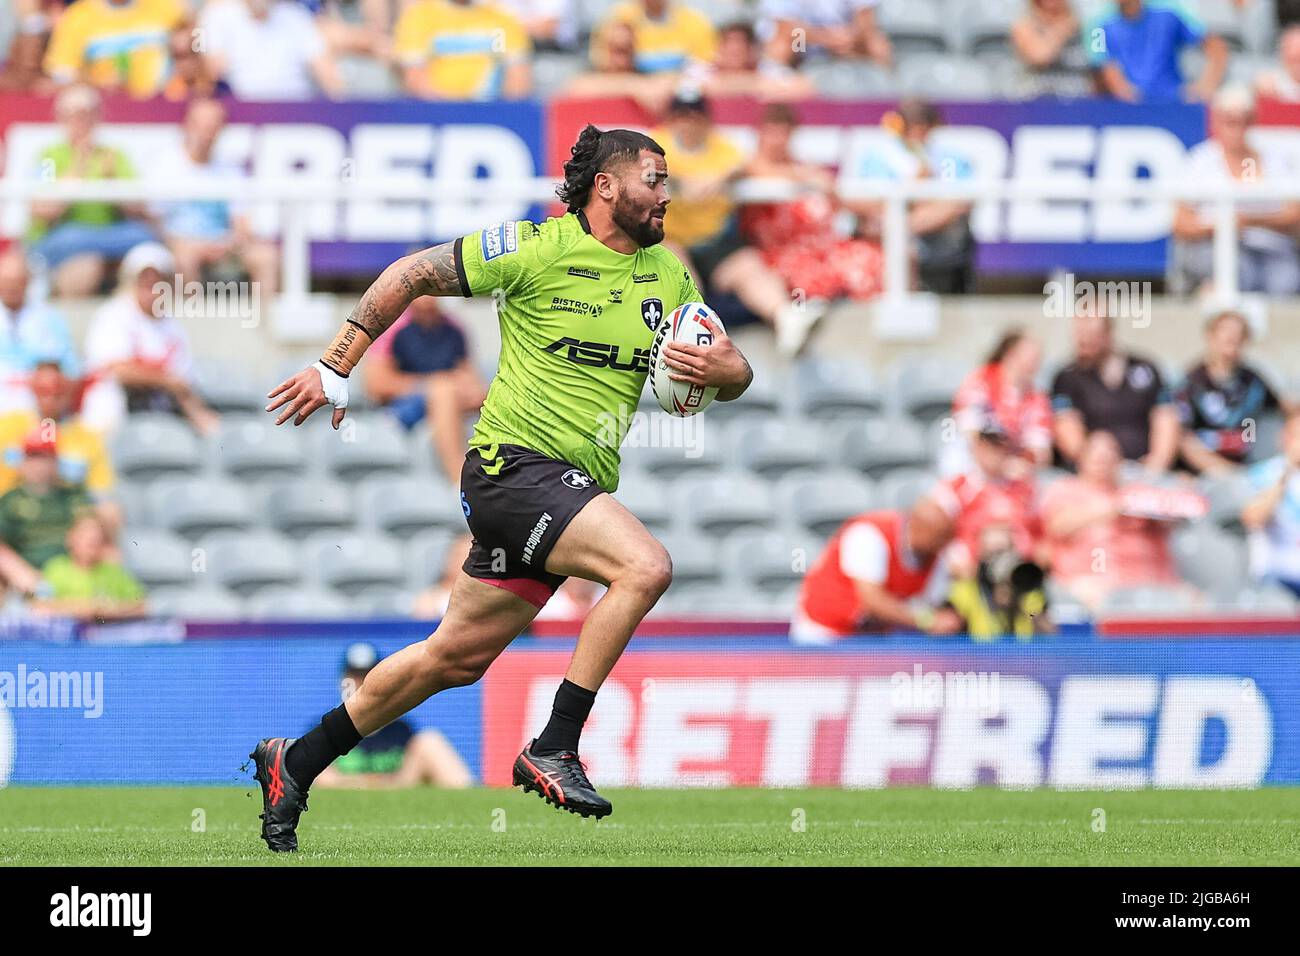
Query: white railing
point(296, 197)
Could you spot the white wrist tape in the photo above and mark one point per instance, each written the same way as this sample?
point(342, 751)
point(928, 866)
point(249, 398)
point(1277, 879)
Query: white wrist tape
point(333, 384)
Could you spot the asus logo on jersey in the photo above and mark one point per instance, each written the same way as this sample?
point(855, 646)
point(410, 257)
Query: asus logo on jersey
point(599, 355)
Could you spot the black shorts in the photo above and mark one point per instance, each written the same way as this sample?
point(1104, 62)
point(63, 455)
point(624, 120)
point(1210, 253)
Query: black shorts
point(516, 505)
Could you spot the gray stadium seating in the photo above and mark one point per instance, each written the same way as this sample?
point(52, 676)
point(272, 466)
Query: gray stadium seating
point(901, 488)
point(151, 445)
point(851, 79)
point(768, 559)
point(426, 557)
point(299, 602)
point(985, 26)
point(157, 558)
point(1211, 559)
point(875, 446)
point(943, 77)
point(777, 445)
point(716, 504)
point(352, 562)
point(821, 500)
point(196, 506)
point(251, 446)
point(924, 387)
point(402, 506)
point(695, 556)
point(365, 444)
point(649, 500)
point(830, 388)
point(1227, 496)
point(914, 26)
point(298, 507)
point(243, 561)
point(229, 387)
point(198, 603)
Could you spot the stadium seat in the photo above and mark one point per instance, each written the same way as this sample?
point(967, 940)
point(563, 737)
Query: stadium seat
point(941, 76)
point(716, 504)
point(1227, 496)
point(900, 489)
point(157, 558)
point(829, 388)
point(1222, 17)
point(777, 445)
point(768, 559)
point(1149, 600)
point(366, 78)
point(296, 508)
point(762, 399)
point(1260, 28)
point(204, 603)
point(134, 500)
point(426, 557)
point(850, 80)
point(229, 386)
point(985, 26)
point(196, 506)
point(649, 500)
point(403, 506)
point(924, 387)
point(385, 602)
point(878, 445)
point(365, 444)
point(300, 603)
point(353, 561)
point(1211, 559)
point(663, 446)
point(242, 561)
point(154, 444)
point(695, 556)
point(821, 501)
point(553, 72)
point(1267, 599)
point(914, 26)
point(250, 446)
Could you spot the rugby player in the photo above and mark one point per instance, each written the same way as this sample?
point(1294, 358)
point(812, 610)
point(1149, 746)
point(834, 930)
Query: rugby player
point(578, 298)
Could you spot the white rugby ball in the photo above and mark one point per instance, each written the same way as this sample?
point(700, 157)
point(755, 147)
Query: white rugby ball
point(681, 325)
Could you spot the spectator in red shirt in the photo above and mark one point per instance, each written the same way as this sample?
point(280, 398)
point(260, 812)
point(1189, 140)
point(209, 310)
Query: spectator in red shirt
point(1105, 534)
point(872, 570)
point(1003, 390)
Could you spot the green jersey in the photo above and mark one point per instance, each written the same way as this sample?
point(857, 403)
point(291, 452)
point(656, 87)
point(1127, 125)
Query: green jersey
point(577, 319)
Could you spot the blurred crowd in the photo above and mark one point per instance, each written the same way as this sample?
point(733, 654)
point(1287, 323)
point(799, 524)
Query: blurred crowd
point(1074, 491)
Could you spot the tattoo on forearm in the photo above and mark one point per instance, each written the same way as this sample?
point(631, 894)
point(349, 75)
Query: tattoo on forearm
point(432, 272)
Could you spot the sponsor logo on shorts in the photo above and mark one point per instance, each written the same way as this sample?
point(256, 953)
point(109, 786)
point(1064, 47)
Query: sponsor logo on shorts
point(584, 273)
point(576, 479)
point(652, 310)
point(535, 536)
point(576, 306)
point(464, 504)
point(645, 277)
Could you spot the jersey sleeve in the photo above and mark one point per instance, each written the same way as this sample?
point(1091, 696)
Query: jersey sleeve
point(494, 258)
point(689, 291)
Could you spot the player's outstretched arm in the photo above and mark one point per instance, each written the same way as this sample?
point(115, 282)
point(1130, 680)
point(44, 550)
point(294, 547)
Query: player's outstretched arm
point(431, 272)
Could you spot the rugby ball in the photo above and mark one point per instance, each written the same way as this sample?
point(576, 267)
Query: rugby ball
point(681, 325)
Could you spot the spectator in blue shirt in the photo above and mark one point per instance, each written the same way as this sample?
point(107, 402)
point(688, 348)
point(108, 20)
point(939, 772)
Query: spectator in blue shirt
point(31, 332)
point(1272, 516)
point(1134, 45)
point(420, 369)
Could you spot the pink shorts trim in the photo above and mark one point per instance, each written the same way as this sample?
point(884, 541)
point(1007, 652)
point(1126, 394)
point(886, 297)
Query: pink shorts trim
point(535, 593)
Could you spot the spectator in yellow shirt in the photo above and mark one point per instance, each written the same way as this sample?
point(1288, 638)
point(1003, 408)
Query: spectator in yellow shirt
point(463, 50)
point(82, 456)
point(115, 44)
point(669, 35)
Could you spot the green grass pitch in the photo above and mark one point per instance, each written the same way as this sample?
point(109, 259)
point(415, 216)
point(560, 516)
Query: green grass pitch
point(218, 826)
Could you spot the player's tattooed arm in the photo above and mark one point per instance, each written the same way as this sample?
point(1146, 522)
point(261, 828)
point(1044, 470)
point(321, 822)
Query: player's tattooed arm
point(431, 272)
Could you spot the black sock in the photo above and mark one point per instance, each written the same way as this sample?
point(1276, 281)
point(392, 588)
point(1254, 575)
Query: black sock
point(315, 750)
point(572, 705)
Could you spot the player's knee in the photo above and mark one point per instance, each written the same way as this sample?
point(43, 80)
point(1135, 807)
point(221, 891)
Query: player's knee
point(651, 573)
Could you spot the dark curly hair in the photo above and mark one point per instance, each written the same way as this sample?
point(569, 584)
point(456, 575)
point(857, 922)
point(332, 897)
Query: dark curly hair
point(597, 152)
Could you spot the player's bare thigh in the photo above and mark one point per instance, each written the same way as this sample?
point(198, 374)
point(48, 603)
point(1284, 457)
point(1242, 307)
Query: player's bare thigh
point(480, 622)
point(604, 542)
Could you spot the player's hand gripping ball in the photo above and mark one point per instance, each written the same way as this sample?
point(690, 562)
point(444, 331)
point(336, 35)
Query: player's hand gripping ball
point(688, 324)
